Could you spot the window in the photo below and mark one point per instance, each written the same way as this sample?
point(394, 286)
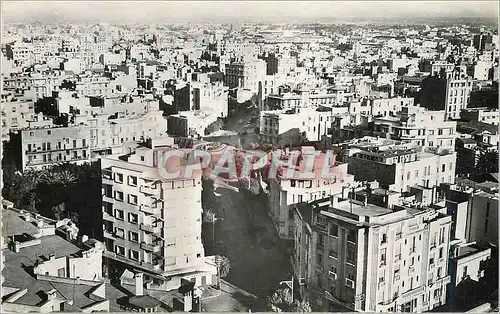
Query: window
point(120, 233)
point(74, 143)
point(350, 255)
point(443, 168)
point(133, 255)
point(119, 214)
point(334, 230)
point(133, 218)
point(61, 272)
point(120, 250)
point(133, 236)
point(464, 273)
point(119, 177)
point(351, 237)
point(132, 181)
point(408, 175)
point(431, 261)
point(384, 238)
point(142, 158)
point(441, 253)
point(119, 195)
point(132, 199)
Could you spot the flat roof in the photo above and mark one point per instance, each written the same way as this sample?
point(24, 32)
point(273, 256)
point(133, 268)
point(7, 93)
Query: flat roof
point(13, 224)
point(356, 208)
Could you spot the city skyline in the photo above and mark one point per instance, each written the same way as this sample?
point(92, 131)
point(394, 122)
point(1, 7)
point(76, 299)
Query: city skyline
point(250, 11)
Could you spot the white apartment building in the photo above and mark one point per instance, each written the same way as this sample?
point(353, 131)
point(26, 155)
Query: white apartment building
point(153, 224)
point(313, 123)
point(245, 75)
point(419, 126)
point(399, 167)
point(46, 146)
point(372, 259)
point(285, 192)
point(448, 91)
point(20, 52)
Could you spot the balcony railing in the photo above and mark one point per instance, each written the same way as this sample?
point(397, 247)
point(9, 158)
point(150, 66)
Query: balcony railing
point(398, 235)
point(150, 247)
point(150, 228)
point(397, 257)
point(413, 249)
point(149, 209)
point(108, 217)
point(332, 254)
point(109, 235)
point(149, 191)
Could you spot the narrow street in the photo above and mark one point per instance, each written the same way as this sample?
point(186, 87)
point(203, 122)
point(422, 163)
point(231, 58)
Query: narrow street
point(247, 237)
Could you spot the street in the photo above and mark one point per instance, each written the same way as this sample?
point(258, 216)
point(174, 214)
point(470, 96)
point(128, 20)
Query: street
point(247, 237)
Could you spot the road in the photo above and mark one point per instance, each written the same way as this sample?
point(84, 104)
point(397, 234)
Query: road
point(231, 299)
point(247, 237)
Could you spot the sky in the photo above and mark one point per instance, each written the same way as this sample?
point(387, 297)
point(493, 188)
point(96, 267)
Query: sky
point(234, 11)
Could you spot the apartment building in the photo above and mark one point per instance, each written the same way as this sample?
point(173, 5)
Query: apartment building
point(35, 85)
point(313, 123)
point(284, 192)
point(419, 126)
point(17, 110)
point(364, 257)
point(448, 91)
point(286, 98)
point(245, 75)
point(20, 52)
point(399, 167)
point(43, 147)
point(150, 223)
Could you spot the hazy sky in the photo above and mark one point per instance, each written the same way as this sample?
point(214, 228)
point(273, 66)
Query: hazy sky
point(226, 11)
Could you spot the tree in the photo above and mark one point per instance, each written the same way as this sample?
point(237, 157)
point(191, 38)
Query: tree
point(224, 265)
point(281, 300)
point(301, 307)
point(487, 162)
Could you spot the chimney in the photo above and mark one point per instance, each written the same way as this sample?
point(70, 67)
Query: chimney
point(188, 301)
point(139, 284)
point(85, 238)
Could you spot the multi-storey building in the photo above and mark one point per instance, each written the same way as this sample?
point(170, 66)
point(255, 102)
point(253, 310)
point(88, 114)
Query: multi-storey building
point(285, 191)
point(418, 126)
point(400, 167)
point(20, 52)
point(364, 257)
point(245, 75)
point(313, 123)
point(43, 147)
point(448, 91)
point(153, 224)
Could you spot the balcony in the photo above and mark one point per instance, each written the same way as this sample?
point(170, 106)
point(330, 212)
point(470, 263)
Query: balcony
point(109, 235)
point(383, 263)
point(397, 257)
point(399, 235)
point(150, 266)
point(381, 284)
point(150, 228)
point(108, 181)
point(411, 269)
point(151, 247)
point(108, 217)
point(149, 210)
point(332, 254)
point(108, 199)
point(150, 191)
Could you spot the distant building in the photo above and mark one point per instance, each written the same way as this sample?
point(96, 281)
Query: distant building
point(448, 91)
point(485, 115)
